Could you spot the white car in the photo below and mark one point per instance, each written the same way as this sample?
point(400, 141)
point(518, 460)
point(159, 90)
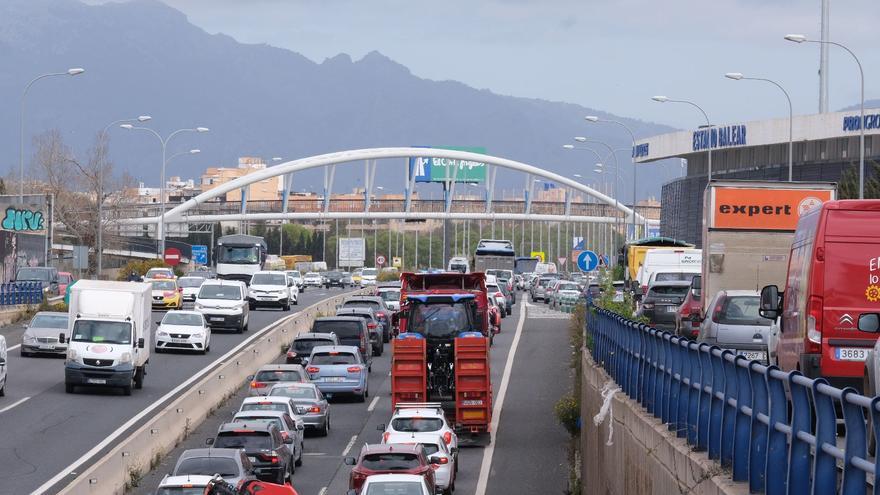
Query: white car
point(410, 484)
point(185, 331)
point(224, 304)
point(159, 273)
point(271, 403)
point(297, 277)
point(3, 365)
point(438, 454)
point(421, 417)
point(368, 276)
point(183, 485)
point(391, 296)
point(495, 293)
point(190, 287)
point(313, 279)
point(271, 288)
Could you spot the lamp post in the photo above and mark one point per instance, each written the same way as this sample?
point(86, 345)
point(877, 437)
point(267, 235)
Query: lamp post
point(100, 240)
point(70, 72)
point(582, 139)
point(737, 76)
point(799, 38)
point(164, 142)
point(593, 118)
point(664, 99)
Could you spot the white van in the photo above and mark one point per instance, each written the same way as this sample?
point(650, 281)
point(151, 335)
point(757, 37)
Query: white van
point(672, 260)
point(224, 304)
point(459, 264)
point(3, 365)
point(109, 329)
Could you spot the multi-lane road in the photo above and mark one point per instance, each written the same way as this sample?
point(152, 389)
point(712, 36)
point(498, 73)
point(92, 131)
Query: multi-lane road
point(43, 430)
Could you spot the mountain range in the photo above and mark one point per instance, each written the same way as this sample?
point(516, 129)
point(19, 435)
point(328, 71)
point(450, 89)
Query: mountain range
point(144, 57)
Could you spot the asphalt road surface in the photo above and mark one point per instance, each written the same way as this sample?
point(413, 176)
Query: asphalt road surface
point(43, 429)
point(527, 456)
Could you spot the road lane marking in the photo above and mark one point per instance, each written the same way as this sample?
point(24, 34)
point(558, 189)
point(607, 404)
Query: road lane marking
point(489, 451)
point(350, 445)
point(323, 491)
point(373, 404)
point(10, 406)
point(13, 347)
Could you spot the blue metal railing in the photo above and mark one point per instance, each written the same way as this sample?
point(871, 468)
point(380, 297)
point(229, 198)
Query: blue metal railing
point(21, 293)
point(776, 430)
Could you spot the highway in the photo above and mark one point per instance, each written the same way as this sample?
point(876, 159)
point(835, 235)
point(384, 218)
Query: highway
point(43, 429)
point(527, 454)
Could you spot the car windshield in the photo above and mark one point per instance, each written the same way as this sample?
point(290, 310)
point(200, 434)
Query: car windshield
point(238, 255)
point(305, 345)
point(186, 282)
point(264, 406)
point(667, 276)
point(262, 420)
point(49, 321)
point(227, 292)
point(391, 461)
point(278, 376)
point(294, 273)
point(186, 319)
point(390, 295)
point(333, 358)
point(104, 332)
point(294, 392)
point(544, 282)
point(417, 425)
point(440, 320)
point(207, 466)
point(369, 271)
point(360, 303)
point(342, 329)
point(248, 440)
point(312, 275)
point(334, 274)
point(163, 285)
point(33, 274)
point(667, 290)
point(395, 488)
point(269, 279)
point(742, 310)
point(567, 287)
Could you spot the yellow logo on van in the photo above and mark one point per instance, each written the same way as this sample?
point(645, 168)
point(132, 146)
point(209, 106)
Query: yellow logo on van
point(872, 293)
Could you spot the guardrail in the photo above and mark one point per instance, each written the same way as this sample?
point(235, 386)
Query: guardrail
point(14, 293)
point(776, 430)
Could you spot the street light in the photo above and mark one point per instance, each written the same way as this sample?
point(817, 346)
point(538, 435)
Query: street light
point(737, 76)
point(593, 118)
point(664, 99)
point(164, 142)
point(799, 38)
point(69, 72)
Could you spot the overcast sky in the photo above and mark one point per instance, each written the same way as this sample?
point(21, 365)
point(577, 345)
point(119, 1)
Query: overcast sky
point(607, 54)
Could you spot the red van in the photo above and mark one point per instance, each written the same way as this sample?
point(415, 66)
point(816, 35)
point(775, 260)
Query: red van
point(833, 277)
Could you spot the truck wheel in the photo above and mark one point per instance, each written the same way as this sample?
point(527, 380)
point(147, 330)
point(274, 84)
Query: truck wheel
point(139, 377)
point(69, 388)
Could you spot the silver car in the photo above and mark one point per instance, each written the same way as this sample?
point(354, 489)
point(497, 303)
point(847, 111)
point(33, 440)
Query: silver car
point(539, 289)
point(311, 405)
point(231, 464)
point(41, 334)
point(289, 427)
point(732, 322)
point(270, 374)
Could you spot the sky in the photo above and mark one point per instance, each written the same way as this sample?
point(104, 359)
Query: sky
point(611, 55)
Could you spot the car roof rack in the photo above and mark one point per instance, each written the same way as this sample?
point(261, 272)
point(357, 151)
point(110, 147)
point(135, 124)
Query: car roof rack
point(419, 405)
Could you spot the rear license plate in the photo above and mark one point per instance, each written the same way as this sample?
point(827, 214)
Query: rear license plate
point(252, 458)
point(472, 402)
point(97, 381)
point(671, 309)
point(754, 355)
point(334, 378)
point(851, 353)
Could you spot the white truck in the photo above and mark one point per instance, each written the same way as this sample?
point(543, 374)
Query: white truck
point(675, 263)
point(109, 335)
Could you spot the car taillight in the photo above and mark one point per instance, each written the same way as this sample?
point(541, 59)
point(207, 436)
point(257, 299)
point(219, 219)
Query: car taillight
point(314, 409)
point(313, 369)
point(385, 437)
point(371, 325)
point(499, 294)
point(716, 313)
point(354, 369)
point(257, 384)
point(273, 458)
point(381, 316)
point(447, 437)
point(291, 354)
point(814, 324)
point(285, 435)
point(443, 460)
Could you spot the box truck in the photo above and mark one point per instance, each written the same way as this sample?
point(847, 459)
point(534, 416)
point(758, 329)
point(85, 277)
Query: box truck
point(108, 335)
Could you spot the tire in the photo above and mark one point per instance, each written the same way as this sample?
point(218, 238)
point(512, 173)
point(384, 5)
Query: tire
point(326, 430)
point(157, 350)
point(126, 390)
point(286, 307)
point(533, 299)
point(292, 464)
point(362, 397)
point(139, 377)
point(252, 306)
point(3, 390)
point(25, 354)
point(69, 388)
point(296, 302)
point(299, 460)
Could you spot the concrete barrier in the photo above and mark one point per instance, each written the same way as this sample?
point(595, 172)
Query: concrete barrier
point(644, 456)
point(135, 450)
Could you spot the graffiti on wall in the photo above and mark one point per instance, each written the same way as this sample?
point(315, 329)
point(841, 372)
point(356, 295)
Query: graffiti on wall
point(23, 220)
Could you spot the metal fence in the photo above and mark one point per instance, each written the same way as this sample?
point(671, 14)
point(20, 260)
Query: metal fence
point(21, 293)
point(776, 430)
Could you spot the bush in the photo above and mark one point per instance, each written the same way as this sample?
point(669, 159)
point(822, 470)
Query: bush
point(387, 276)
point(140, 267)
point(568, 413)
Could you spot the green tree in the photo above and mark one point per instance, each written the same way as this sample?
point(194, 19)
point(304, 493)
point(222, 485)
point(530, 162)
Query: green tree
point(848, 188)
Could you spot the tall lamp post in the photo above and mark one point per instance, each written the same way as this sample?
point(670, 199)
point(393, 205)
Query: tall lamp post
point(100, 240)
point(70, 72)
point(737, 76)
point(582, 139)
point(164, 142)
point(593, 118)
point(664, 99)
point(799, 38)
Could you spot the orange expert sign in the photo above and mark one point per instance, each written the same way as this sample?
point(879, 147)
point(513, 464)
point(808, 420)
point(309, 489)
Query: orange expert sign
point(763, 209)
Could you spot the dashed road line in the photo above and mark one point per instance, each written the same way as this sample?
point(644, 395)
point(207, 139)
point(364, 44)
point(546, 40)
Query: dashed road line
point(373, 404)
point(350, 445)
point(10, 406)
point(13, 347)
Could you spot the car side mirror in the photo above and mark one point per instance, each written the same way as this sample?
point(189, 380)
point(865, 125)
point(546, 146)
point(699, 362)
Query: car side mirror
point(141, 343)
point(2, 362)
point(300, 427)
point(350, 461)
point(769, 302)
point(157, 323)
point(287, 439)
point(869, 322)
point(61, 338)
point(380, 427)
point(209, 441)
point(249, 377)
point(434, 460)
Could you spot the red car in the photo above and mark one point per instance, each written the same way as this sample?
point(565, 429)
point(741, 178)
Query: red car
point(64, 279)
point(689, 317)
point(394, 458)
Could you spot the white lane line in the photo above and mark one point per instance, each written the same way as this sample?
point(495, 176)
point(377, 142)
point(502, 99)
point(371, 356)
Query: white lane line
point(350, 445)
point(489, 451)
point(10, 406)
point(373, 404)
point(13, 347)
point(323, 491)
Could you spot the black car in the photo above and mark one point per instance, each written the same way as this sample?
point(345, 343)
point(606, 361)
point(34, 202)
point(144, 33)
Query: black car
point(265, 447)
point(350, 330)
point(662, 301)
point(334, 279)
point(301, 347)
point(372, 324)
point(383, 314)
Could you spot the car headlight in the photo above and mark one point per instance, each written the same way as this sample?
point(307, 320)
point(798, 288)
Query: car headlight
point(237, 309)
point(71, 354)
point(125, 358)
point(198, 307)
point(197, 335)
point(28, 338)
point(161, 334)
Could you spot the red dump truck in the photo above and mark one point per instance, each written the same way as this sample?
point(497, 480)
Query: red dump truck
point(442, 351)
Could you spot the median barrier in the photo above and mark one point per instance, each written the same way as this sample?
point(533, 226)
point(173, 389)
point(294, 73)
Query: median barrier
point(136, 449)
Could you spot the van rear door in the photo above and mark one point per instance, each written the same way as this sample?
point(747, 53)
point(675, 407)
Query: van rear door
point(851, 285)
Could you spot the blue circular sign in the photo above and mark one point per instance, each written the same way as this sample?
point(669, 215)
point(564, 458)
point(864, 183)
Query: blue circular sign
point(588, 261)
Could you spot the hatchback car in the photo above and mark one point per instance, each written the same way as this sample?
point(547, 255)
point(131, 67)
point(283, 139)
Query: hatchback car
point(390, 459)
point(224, 304)
point(662, 301)
point(733, 323)
point(183, 485)
point(311, 405)
point(297, 277)
point(539, 289)
point(334, 279)
point(350, 331)
point(368, 276)
point(339, 370)
point(41, 334)
point(268, 451)
point(290, 428)
point(391, 296)
point(564, 290)
point(421, 417)
point(166, 294)
point(183, 330)
point(271, 374)
point(190, 286)
point(377, 304)
point(301, 347)
point(313, 279)
point(372, 322)
point(231, 464)
point(688, 317)
point(439, 456)
point(494, 292)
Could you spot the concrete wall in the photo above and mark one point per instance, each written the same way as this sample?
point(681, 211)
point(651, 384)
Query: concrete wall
point(136, 452)
point(645, 457)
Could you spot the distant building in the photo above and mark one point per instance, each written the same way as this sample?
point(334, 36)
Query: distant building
point(264, 190)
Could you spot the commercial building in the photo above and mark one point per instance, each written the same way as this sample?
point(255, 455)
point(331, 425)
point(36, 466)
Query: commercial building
point(825, 149)
point(264, 190)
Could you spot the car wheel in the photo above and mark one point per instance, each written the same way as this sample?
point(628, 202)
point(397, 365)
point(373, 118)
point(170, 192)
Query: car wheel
point(25, 354)
point(3, 390)
point(362, 397)
point(252, 306)
point(139, 377)
point(299, 460)
point(69, 388)
point(286, 307)
point(126, 390)
point(326, 429)
point(296, 302)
